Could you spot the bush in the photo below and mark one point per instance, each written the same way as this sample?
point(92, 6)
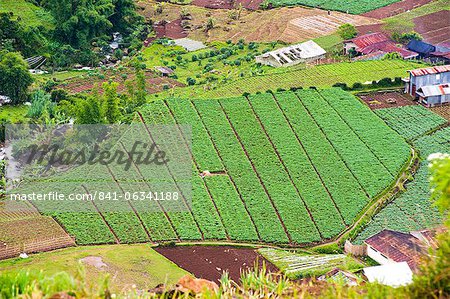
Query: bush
point(357, 85)
point(343, 86)
point(347, 31)
point(269, 91)
point(190, 81)
point(280, 89)
point(245, 94)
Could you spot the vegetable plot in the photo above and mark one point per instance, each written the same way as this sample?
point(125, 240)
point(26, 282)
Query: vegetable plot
point(286, 168)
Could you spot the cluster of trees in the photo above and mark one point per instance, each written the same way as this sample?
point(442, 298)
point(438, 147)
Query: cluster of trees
point(81, 32)
point(103, 108)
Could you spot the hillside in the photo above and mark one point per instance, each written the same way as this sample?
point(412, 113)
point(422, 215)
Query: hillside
point(29, 14)
point(274, 160)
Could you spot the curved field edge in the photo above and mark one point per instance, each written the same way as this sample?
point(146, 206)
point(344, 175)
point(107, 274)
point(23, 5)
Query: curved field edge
point(413, 202)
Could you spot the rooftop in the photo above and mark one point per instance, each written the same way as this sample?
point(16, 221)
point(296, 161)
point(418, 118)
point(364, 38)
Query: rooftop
point(399, 247)
point(430, 70)
point(434, 90)
point(290, 54)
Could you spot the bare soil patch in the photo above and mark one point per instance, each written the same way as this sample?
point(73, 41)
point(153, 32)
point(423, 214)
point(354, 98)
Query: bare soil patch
point(443, 111)
point(209, 262)
point(380, 100)
point(434, 27)
point(395, 8)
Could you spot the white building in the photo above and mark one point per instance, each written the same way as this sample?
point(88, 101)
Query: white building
point(292, 55)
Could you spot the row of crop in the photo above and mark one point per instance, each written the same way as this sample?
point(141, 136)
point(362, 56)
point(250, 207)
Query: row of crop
point(202, 207)
point(412, 210)
point(239, 168)
point(302, 172)
point(368, 170)
point(271, 172)
point(388, 146)
point(118, 214)
point(410, 121)
point(179, 212)
point(319, 76)
point(227, 200)
point(344, 189)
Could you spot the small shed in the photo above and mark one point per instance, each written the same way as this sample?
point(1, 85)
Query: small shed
point(394, 275)
point(164, 71)
point(433, 95)
point(435, 75)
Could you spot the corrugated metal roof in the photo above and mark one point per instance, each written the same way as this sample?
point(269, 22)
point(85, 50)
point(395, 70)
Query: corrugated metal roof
point(398, 246)
point(420, 47)
point(434, 90)
point(369, 39)
point(430, 70)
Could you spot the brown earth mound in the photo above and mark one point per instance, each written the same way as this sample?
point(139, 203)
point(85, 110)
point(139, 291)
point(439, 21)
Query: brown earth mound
point(209, 262)
point(395, 8)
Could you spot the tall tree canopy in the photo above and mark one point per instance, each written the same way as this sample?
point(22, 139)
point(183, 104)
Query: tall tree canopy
point(14, 77)
point(80, 22)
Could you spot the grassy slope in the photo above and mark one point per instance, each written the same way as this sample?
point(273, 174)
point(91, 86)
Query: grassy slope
point(127, 264)
point(30, 14)
point(15, 114)
point(322, 76)
point(404, 22)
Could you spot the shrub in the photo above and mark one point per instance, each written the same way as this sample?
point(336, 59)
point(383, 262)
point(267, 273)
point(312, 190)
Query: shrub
point(347, 31)
point(357, 85)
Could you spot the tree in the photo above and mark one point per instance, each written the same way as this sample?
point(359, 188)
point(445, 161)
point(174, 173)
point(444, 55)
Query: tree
point(111, 102)
point(347, 31)
point(14, 77)
point(210, 23)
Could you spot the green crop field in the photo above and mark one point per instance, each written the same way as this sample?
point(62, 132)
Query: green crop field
point(29, 14)
point(412, 210)
point(353, 7)
point(321, 76)
point(277, 158)
point(411, 121)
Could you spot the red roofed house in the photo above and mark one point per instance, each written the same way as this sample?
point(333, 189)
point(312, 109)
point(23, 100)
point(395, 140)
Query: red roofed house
point(389, 246)
point(376, 42)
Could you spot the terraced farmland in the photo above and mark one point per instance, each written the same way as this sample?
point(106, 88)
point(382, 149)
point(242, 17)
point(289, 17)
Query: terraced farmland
point(275, 161)
point(412, 210)
point(321, 76)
